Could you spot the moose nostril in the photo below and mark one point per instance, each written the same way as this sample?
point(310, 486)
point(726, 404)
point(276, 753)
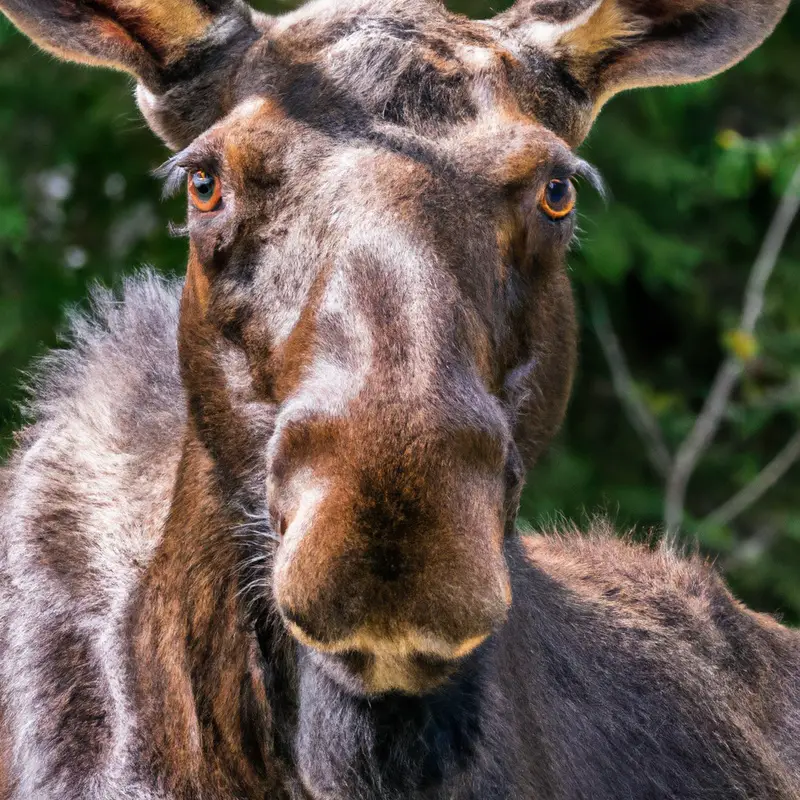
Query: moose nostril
point(278, 522)
point(354, 660)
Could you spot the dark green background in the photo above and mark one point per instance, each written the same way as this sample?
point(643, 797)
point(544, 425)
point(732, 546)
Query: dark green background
point(695, 174)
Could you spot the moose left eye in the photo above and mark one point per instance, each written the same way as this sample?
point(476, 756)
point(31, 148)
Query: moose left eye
point(558, 199)
point(205, 191)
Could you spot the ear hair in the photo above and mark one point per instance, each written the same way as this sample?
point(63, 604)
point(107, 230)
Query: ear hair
point(146, 38)
point(607, 26)
point(185, 54)
point(595, 28)
point(609, 46)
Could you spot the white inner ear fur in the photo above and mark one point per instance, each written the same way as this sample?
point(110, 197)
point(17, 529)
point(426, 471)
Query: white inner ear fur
point(548, 34)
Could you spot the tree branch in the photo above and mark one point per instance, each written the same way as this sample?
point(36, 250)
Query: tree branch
point(712, 413)
point(760, 485)
point(639, 415)
point(751, 548)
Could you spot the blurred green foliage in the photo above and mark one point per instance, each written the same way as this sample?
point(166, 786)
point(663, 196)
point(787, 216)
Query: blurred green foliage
point(695, 173)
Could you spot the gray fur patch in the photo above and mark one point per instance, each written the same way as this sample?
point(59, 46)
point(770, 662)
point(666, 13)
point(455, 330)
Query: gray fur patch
point(83, 508)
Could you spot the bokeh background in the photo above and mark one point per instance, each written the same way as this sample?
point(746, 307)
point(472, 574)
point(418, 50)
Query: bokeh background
point(696, 174)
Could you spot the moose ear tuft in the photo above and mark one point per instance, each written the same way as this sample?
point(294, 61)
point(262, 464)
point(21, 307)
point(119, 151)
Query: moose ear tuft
point(586, 28)
point(607, 27)
point(612, 45)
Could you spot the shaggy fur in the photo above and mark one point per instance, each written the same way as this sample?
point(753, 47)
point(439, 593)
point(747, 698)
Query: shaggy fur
point(623, 671)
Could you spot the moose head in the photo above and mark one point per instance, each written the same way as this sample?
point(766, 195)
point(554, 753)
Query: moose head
point(377, 331)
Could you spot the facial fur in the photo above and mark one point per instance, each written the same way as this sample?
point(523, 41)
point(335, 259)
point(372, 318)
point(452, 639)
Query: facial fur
point(286, 510)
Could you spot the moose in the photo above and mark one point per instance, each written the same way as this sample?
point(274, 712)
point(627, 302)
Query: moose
point(258, 538)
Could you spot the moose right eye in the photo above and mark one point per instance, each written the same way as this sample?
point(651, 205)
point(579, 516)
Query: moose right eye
point(205, 191)
point(558, 199)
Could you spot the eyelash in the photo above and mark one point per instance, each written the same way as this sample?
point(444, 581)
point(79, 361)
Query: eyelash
point(178, 231)
point(175, 172)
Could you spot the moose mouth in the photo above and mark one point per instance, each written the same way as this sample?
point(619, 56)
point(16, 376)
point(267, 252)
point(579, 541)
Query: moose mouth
point(364, 665)
point(362, 673)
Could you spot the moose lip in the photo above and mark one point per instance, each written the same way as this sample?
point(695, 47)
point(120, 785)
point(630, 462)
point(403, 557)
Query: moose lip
point(363, 674)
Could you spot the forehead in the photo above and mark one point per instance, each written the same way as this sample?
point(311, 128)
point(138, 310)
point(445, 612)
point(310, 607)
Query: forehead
point(346, 65)
point(386, 86)
point(264, 143)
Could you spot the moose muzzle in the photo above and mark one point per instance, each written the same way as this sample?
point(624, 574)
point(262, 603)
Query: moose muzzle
point(391, 567)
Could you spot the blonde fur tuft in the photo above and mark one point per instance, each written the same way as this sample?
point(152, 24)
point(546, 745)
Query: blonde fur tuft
point(609, 27)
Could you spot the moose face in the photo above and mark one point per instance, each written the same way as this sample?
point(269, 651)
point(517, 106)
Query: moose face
point(370, 284)
point(377, 331)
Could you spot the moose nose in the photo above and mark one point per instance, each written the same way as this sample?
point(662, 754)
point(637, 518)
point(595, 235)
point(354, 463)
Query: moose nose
point(355, 610)
point(396, 615)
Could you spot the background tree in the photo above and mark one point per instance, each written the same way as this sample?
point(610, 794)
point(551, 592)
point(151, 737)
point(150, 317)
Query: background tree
point(697, 174)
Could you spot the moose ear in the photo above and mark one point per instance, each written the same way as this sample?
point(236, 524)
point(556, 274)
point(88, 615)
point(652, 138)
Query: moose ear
point(613, 45)
point(165, 44)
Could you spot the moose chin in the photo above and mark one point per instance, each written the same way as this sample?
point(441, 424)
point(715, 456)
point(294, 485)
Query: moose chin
point(259, 538)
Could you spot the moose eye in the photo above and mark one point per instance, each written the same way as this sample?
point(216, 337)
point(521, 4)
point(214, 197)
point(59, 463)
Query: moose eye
point(558, 199)
point(205, 191)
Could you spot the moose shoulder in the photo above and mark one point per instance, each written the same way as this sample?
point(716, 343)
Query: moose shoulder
point(258, 539)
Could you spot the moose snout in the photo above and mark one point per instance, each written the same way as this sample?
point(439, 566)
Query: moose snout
point(391, 568)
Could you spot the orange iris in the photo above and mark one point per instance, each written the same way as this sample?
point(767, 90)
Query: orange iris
point(558, 199)
point(205, 191)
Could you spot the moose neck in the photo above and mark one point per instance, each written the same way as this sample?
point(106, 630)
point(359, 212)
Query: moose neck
point(396, 746)
point(250, 711)
point(195, 652)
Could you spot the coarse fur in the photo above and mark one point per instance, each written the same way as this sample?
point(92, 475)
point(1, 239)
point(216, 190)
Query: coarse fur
point(258, 538)
point(636, 670)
